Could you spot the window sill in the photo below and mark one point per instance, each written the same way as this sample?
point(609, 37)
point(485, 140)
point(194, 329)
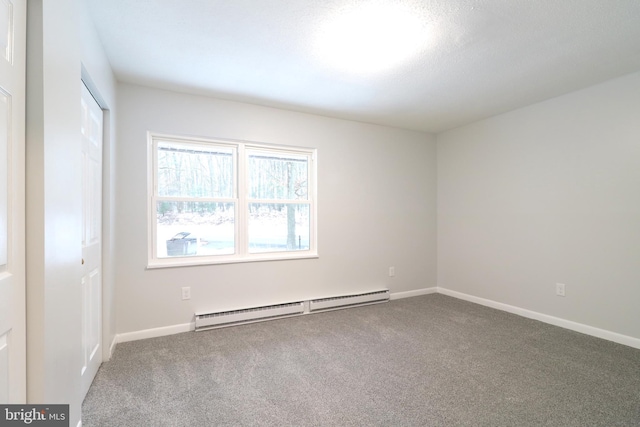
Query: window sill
point(199, 261)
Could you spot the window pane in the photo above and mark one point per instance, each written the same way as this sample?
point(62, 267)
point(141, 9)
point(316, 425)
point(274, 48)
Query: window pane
point(277, 176)
point(195, 229)
point(194, 170)
point(278, 227)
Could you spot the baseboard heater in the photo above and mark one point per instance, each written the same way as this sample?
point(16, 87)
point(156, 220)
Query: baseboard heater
point(348, 300)
point(257, 314)
point(236, 317)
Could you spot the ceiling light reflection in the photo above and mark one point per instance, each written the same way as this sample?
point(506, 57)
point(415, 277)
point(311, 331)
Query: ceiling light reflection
point(371, 37)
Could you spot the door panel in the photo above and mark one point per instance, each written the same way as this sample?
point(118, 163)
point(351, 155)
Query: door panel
point(12, 202)
point(5, 139)
point(91, 282)
point(4, 368)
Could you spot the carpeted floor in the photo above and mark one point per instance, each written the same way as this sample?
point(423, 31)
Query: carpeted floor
point(423, 361)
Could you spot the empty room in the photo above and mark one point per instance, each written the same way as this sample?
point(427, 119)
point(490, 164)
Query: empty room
point(336, 213)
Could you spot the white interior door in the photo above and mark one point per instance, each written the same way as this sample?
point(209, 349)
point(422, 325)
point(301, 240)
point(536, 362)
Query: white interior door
point(12, 202)
point(91, 131)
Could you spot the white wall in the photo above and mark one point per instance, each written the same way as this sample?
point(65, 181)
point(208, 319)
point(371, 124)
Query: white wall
point(376, 191)
point(545, 194)
point(58, 43)
point(53, 204)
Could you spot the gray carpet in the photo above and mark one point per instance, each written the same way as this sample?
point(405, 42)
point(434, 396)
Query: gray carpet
point(423, 361)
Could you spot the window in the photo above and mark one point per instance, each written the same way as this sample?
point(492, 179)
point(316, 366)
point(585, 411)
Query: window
point(216, 201)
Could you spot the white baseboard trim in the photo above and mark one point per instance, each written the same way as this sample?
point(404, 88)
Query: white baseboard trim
point(112, 347)
point(155, 332)
point(187, 327)
point(417, 292)
point(556, 321)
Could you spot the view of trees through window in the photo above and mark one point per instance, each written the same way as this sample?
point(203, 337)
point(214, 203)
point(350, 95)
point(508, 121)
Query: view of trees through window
point(278, 178)
point(201, 193)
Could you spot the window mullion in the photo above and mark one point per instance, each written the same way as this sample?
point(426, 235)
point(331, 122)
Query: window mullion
point(280, 201)
point(242, 206)
point(151, 214)
point(195, 199)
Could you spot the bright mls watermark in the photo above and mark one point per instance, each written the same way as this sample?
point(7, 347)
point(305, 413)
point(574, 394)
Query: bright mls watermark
point(34, 415)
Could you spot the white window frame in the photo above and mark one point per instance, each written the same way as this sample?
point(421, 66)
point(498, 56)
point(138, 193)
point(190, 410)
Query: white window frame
point(240, 198)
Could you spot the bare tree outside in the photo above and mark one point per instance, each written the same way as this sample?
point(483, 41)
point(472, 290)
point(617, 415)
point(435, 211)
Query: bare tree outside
point(199, 225)
point(278, 178)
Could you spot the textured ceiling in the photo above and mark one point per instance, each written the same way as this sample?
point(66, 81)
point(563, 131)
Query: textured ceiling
point(479, 58)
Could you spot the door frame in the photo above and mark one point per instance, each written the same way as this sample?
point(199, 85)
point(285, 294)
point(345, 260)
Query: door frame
point(108, 320)
point(91, 249)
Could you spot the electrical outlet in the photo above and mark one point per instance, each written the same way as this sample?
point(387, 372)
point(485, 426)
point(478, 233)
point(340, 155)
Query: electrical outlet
point(560, 289)
point(392, 271)
point(186, 293)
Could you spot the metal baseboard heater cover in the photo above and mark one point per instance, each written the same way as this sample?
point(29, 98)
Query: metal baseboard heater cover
point(235, 317)
point(257, 314)
point(348, 300)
